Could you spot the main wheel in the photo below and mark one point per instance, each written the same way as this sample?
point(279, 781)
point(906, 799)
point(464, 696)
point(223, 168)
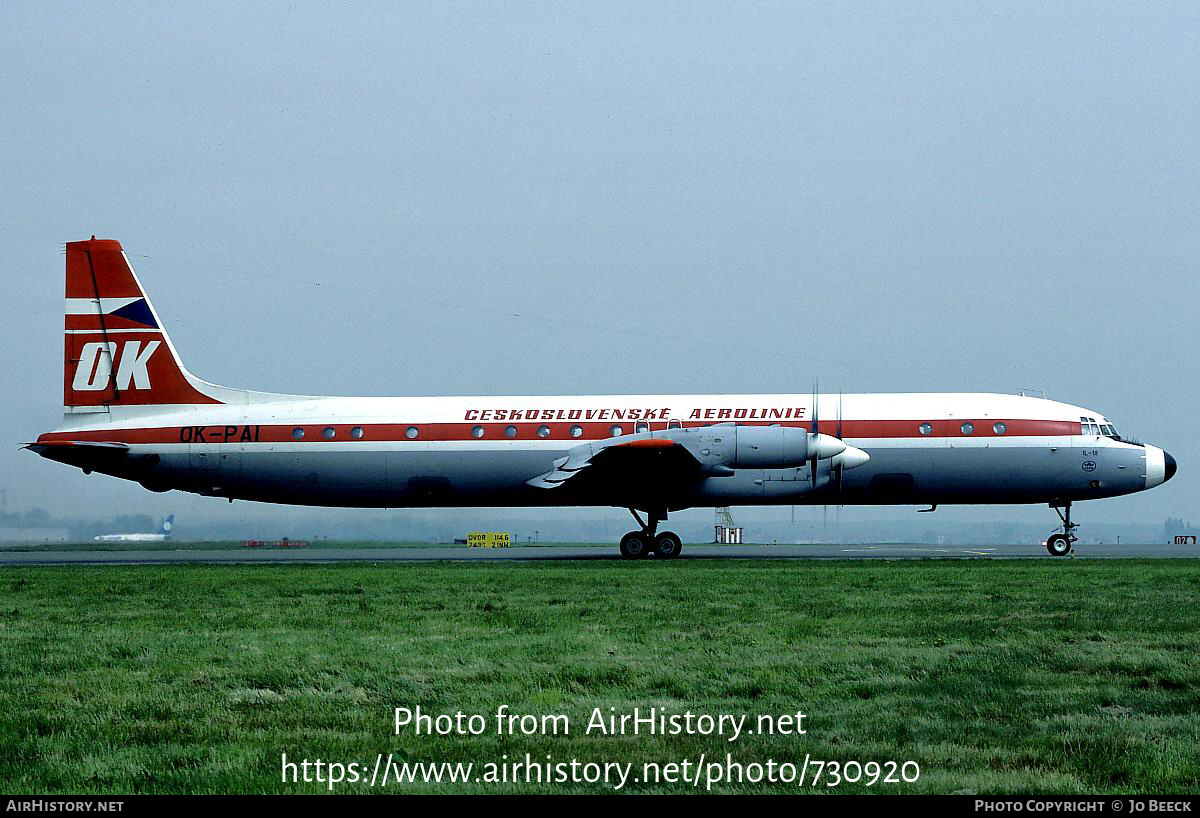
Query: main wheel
point(634, 545)
point(668, 545)
point(1058, 545)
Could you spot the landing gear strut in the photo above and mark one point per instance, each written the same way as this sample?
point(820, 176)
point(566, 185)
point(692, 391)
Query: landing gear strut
point(1060, 545)
point(637, 544)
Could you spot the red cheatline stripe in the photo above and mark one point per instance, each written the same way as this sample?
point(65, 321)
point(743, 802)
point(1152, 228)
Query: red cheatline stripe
point(397, 432)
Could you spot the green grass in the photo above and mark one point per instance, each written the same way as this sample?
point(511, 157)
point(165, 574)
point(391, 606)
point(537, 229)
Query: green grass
point(995, 676)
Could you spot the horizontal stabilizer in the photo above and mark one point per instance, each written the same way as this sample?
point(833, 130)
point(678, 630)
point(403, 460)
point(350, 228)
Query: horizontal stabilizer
point(82, 444)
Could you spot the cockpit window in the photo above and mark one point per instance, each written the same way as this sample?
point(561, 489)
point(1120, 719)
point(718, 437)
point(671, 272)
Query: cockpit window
point(1089, 426)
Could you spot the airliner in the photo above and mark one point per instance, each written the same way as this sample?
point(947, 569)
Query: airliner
point(162, 535)
point(131, 410)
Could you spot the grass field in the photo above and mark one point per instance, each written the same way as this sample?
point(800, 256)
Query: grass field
point(994, 676)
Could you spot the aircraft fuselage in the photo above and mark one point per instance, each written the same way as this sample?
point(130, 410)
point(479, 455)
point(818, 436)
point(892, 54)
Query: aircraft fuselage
point(397, 452)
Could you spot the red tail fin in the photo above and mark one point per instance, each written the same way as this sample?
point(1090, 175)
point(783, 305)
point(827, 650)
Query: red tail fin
point(117, 353)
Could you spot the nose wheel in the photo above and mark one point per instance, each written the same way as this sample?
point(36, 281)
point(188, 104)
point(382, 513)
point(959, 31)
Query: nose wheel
point(638, 544)
point(1063, 544)
point(1058, 545)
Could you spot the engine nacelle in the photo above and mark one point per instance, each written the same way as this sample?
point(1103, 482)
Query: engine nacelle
point(769, 447)
point(726, 447)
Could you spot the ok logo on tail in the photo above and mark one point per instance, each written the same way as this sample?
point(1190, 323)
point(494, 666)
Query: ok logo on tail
point(94, 370)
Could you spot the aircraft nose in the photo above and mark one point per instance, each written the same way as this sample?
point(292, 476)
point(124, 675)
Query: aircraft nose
point(1160, 466)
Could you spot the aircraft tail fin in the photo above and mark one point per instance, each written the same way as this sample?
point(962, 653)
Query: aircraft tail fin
point(116, 350)
point(168, 524)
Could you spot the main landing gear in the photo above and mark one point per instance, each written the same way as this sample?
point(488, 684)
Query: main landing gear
point(1060, 545)
point(637, 544)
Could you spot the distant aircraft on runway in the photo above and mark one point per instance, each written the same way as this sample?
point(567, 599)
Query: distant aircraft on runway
point(163, 534)
point(133, 411)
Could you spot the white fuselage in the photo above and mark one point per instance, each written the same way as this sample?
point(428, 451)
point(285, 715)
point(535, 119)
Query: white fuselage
point(483, 451)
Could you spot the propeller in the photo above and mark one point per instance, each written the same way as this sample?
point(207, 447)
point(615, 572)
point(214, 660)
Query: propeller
point(813, 429)
point(838, 461)
point(841, 456)
point(838, 467)
point(835, 464)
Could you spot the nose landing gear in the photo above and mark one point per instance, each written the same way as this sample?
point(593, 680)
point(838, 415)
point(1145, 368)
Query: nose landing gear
point(638, 544)
point(1060, 545)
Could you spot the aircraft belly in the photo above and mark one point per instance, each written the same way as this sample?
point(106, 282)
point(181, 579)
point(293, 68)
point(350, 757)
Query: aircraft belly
point(390, 478)
point(458, 477)
point(988, 474)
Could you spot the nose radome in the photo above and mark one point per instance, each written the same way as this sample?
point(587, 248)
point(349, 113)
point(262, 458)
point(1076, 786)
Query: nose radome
point(1159, 466)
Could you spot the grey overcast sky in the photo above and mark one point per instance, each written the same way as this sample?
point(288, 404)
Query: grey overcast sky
point(738, 197)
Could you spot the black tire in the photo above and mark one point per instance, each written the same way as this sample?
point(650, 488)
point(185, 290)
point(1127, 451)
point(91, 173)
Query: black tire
point(1058, 545)
point(635, 545)
point(667, 545)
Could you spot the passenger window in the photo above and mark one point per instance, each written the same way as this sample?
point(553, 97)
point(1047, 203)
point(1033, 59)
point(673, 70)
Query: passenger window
point(510, 431)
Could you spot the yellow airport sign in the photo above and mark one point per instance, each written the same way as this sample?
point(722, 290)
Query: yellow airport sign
point(488, 539)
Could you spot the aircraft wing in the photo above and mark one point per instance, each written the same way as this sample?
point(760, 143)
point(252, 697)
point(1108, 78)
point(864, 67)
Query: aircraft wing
point(645, 459)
